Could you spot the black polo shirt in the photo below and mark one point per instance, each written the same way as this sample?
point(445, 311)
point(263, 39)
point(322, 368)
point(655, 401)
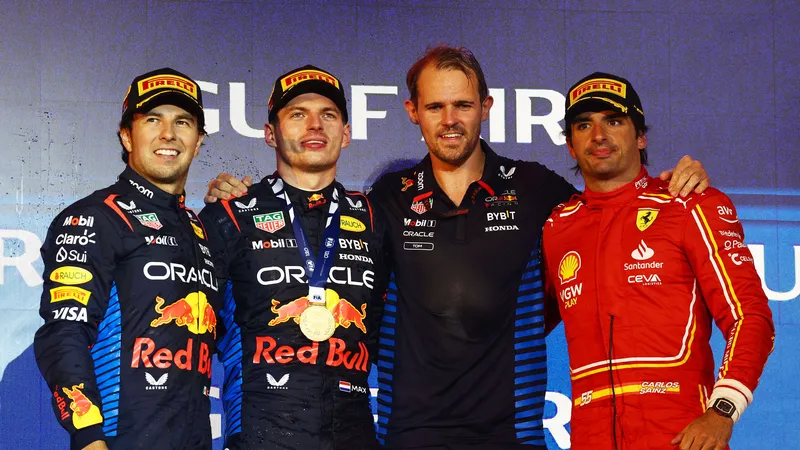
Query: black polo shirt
point(462, 353)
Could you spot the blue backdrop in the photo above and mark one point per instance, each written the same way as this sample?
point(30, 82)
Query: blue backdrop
point(720, 80)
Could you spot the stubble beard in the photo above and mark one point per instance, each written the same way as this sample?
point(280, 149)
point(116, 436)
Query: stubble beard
point(454, 155)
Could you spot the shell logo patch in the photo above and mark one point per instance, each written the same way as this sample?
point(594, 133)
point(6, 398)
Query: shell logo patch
point(569, 266)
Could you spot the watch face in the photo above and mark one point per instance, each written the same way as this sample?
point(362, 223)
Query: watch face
point(724, 406)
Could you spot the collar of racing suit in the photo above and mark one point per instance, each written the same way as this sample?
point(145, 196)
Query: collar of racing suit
point(618, 196)
point(306, 200)
point(138, 185)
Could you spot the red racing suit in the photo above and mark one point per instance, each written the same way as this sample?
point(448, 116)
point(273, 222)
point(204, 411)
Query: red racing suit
point(638, 276)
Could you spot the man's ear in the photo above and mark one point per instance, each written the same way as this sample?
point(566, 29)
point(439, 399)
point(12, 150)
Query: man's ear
point(347, 136)
point(199, 143)
point(125, 138)
point(269, 135)
point(411, 109)
point(486, 106)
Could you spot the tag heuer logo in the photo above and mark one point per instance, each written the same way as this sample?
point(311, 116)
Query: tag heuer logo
point(270, 222)
point(149, 220)
point(422, 206)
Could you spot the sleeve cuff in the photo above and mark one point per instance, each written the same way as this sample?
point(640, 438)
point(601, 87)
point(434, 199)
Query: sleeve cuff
point(86, 436)
point(735, 392)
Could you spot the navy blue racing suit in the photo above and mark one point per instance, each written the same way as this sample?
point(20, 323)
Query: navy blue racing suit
point(130, 319)
point(283, 391)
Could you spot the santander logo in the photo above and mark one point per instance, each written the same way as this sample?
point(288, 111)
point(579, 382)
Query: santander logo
point(642, 252)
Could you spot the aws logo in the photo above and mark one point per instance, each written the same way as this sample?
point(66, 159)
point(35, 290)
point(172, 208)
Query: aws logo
point(569, 266)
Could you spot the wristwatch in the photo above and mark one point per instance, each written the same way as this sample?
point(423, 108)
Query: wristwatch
point(724, 407)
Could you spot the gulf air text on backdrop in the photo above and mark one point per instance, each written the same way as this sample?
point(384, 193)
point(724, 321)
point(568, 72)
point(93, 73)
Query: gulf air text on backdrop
point(361, 112)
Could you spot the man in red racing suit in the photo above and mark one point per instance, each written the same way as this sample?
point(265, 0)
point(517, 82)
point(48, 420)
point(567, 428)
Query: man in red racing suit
point(638, 275)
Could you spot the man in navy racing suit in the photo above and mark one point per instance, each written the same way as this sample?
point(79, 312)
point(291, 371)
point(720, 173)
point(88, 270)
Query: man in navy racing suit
point(298, 243)
point(130, 298)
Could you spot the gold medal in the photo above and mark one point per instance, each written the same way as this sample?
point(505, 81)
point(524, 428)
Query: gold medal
point(317, 323)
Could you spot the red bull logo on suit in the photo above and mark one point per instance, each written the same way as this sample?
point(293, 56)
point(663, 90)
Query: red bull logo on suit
point(193, 312)
point(355, 357)
point(344, 313)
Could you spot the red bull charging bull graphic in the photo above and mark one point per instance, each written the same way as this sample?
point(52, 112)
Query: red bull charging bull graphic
point(193, 312)
point(344, 313)
point(85, 413)
point(353, 357)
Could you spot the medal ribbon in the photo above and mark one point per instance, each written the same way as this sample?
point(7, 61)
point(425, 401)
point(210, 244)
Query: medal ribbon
point(318, 271)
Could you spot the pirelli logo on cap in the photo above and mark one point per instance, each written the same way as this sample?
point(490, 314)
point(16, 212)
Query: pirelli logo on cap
point(170, 81)
point(292, 80)
point(597, 85)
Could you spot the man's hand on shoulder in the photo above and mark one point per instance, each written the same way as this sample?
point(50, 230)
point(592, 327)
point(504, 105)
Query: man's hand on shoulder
point(687, 176)
point(96, 445)
point(225, 186)
point(711, 431)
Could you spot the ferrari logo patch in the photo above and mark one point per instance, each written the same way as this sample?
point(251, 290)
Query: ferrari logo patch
point(645, 217)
